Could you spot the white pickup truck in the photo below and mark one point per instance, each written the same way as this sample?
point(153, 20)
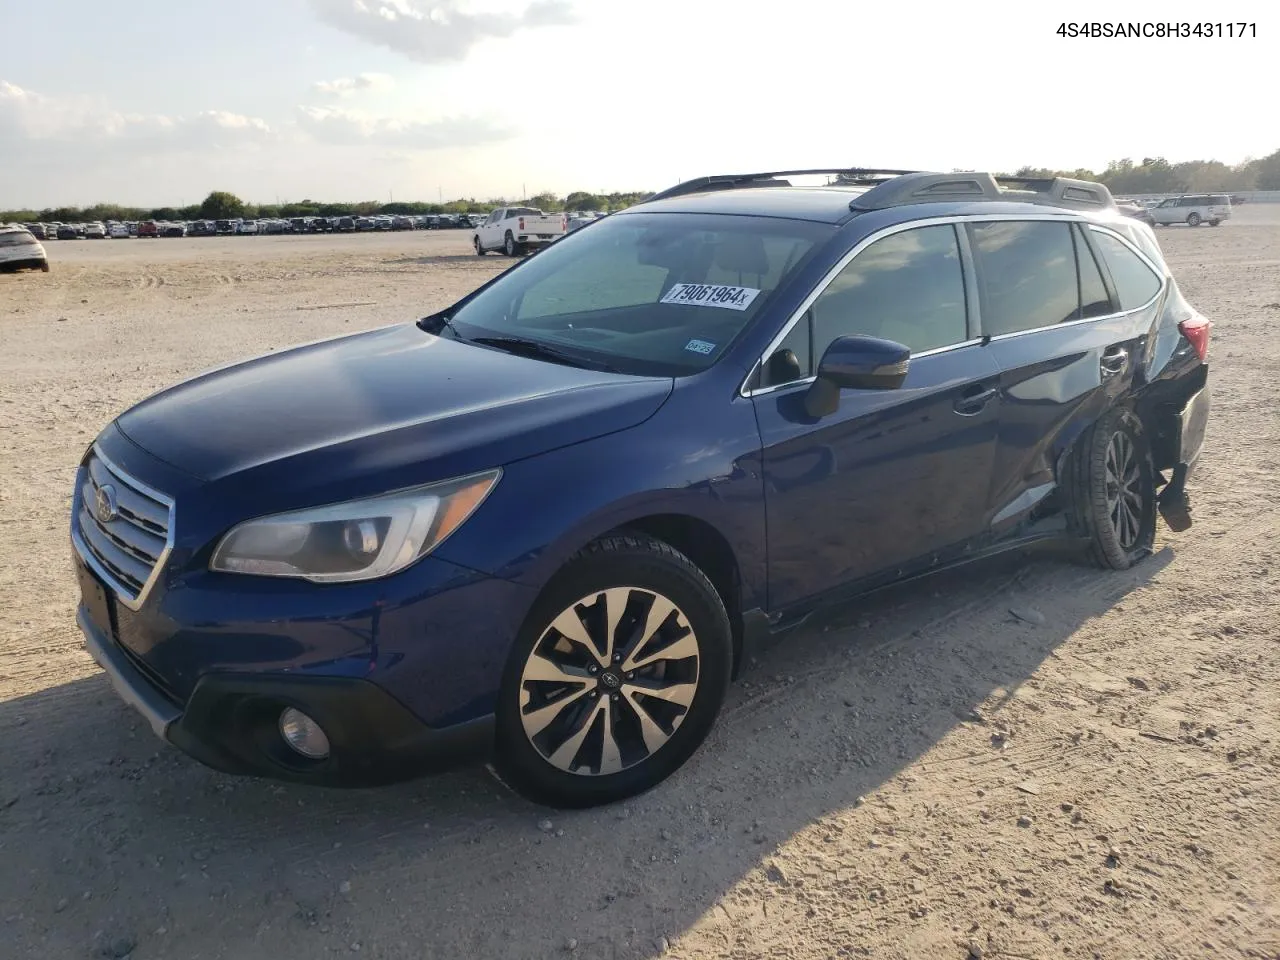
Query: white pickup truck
point(517, 230)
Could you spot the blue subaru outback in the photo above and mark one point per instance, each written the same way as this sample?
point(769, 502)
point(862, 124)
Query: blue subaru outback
point(539, 526)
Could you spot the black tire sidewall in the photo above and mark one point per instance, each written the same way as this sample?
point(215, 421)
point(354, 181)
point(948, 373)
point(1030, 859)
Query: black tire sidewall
point(1193, 220)
point(624, 561)
point(509, 246)
point(1092, 509)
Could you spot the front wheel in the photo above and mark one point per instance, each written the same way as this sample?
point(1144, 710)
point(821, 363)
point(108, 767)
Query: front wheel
point(1193, 220)
point(1113, 491)
point(480, 251)
point(616, 677)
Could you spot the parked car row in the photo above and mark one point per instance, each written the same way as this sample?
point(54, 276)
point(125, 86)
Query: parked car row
point(116, 229)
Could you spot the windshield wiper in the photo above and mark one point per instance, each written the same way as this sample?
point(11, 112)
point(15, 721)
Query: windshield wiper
point(540, 351)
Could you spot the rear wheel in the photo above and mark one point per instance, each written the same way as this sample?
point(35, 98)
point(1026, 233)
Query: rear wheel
point(1193, 220)
point(1114, 500)
point(1214, 223)
point(616, 677)
point(45, 266)
point(509, 245)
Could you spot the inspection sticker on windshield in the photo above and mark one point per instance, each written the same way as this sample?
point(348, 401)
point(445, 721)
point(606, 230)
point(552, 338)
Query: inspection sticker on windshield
point(700, 346)
point(711, 295)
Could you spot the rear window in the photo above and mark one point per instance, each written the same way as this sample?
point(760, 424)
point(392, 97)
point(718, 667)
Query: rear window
point(1135, 282)
point(16, 238)
point(647, 294)
point(1220, 200)
point(523, 212)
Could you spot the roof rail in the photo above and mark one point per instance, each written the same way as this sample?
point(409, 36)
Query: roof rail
point(731, 181)
point(934, 187)
point(895, 188)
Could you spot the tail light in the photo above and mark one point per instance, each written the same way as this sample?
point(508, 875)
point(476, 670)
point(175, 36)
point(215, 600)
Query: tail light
point(1196, 330)
point(522, 223)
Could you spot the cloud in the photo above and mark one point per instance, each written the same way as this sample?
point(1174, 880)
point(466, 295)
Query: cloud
point(27, 116)
point(346, 86)
point(434, 31)
point(335, 125)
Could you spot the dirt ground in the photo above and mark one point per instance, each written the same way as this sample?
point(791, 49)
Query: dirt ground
point(922, 775)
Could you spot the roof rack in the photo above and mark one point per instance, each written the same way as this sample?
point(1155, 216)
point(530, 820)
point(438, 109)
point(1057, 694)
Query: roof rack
point(731, 181)
point(932, 187)
point(895, 188)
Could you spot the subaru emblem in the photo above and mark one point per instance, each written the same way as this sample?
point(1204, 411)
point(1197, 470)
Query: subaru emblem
point(104, 503)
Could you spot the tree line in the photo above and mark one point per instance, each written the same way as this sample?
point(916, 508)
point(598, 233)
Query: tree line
point(1152, 175)
point(221, 205)
point(1158, 175)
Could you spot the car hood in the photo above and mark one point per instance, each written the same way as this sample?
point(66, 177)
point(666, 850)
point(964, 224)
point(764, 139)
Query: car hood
point(396, 405)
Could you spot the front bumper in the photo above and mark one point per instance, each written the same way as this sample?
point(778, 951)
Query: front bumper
point(230, 723)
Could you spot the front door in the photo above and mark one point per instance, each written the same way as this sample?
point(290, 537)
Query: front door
point(489, 237)
point(893, 476)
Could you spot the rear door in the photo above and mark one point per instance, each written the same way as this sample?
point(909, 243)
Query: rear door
point(1069, 308)
point(893, 475)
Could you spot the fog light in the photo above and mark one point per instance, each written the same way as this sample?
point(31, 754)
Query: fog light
point(303, 734)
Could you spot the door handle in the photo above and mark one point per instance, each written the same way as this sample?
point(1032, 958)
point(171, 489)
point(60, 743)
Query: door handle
point(974, 400)
point(1114, 361)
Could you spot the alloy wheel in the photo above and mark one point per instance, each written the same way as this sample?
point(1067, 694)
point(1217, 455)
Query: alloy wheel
point(1124, 489)
point(609, 681)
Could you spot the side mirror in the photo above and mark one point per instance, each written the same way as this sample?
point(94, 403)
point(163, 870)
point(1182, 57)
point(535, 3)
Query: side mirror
point(856, 363)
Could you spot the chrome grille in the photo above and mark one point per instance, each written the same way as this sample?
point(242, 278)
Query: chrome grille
point(121, 528)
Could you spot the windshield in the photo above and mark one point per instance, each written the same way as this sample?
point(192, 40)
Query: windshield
point(660, 294)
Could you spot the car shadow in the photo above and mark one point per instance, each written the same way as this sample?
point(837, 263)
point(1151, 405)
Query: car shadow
point(109, 837)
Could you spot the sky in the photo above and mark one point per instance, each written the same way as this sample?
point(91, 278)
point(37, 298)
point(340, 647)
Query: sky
point(155, 103)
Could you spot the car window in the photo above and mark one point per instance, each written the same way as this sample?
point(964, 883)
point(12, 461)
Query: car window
point(16, 238)
point(523, 212)
point(1028, 274)
point(1169, 203)
point(907, 287)
point(645, 293)
point(1220, 201)
point(1094, 299)
point(1135, 283)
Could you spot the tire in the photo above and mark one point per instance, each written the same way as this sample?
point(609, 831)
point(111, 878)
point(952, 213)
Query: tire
point(1193, 220)
point(603, 744)
point(509, 245)
point(1119, 528)
point(1214, 223)
point(44, 267)
point(480, 251)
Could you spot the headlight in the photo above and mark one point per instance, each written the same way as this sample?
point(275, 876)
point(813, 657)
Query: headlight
point(358, 540)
